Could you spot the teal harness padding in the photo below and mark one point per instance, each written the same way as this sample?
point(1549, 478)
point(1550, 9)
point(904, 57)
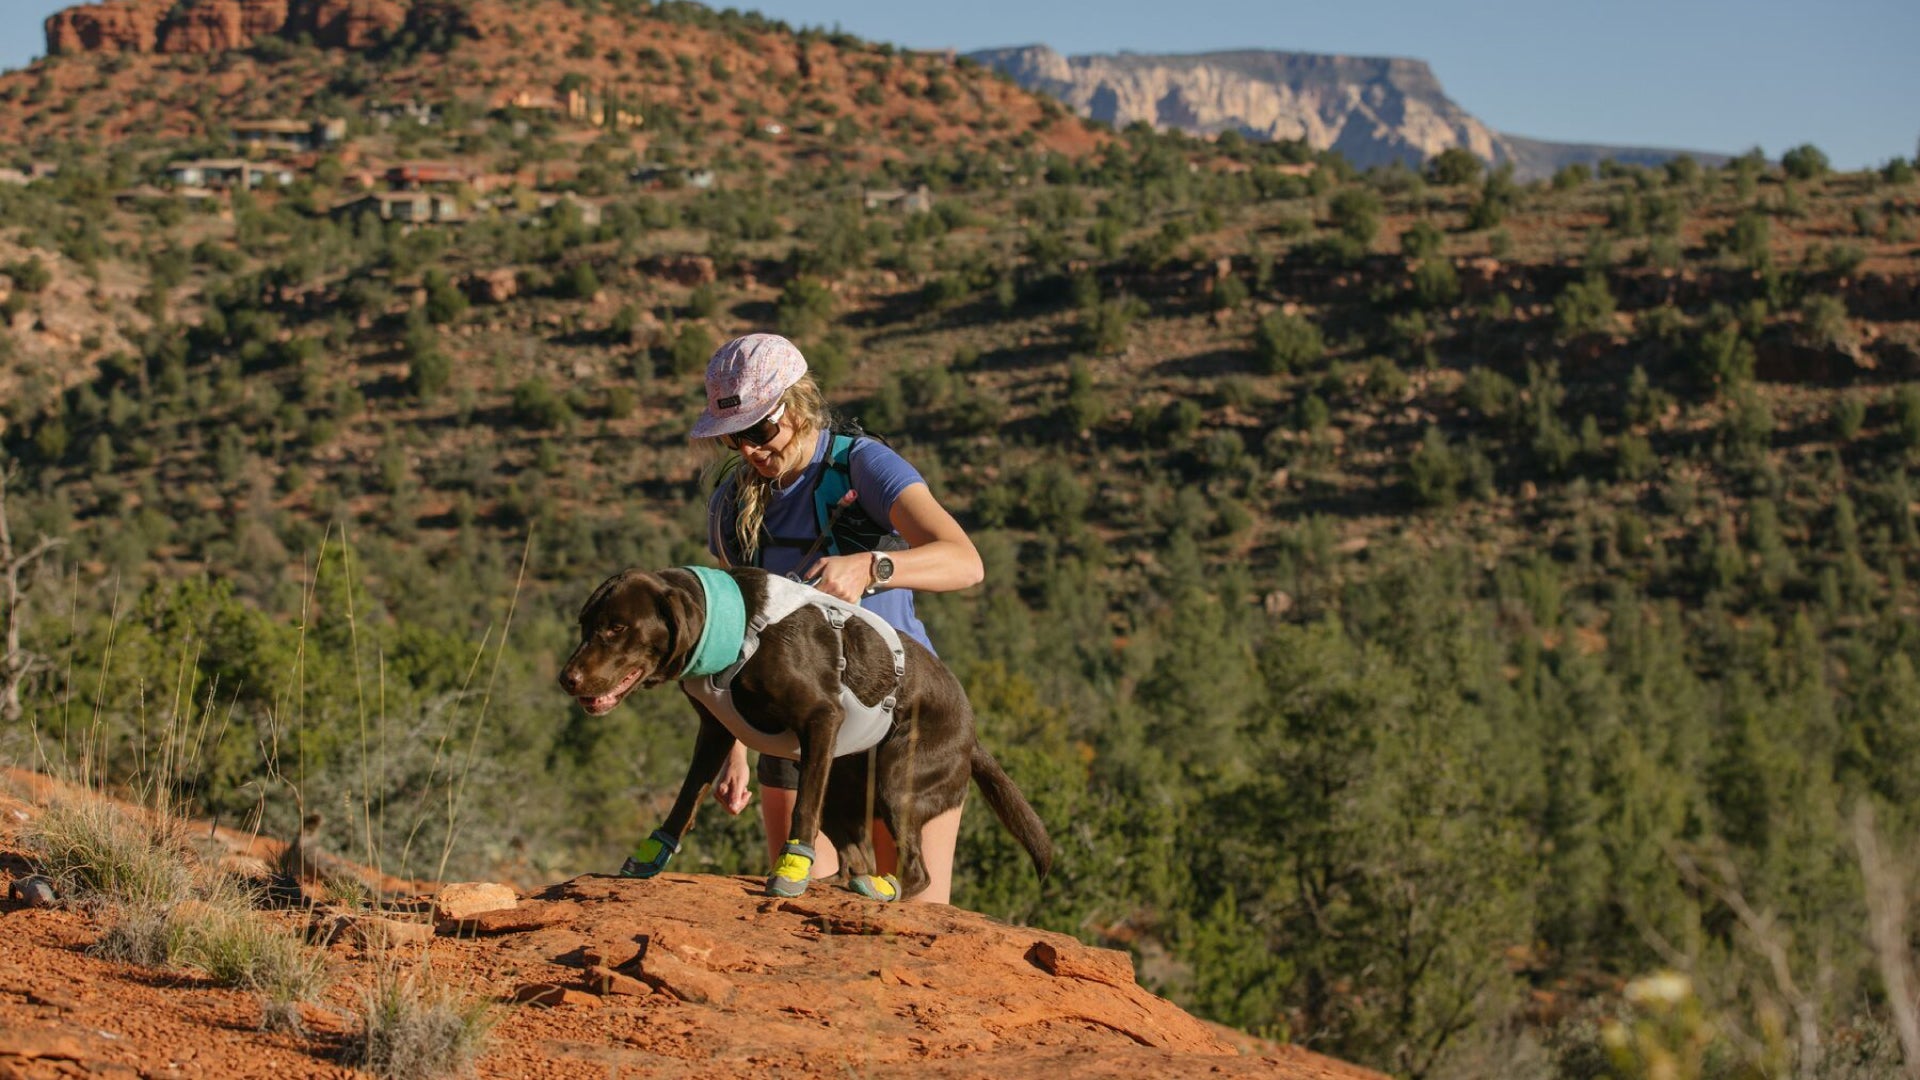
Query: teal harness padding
point(726, 625)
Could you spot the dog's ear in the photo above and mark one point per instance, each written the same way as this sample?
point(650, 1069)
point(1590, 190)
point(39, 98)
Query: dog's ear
point(684, 616)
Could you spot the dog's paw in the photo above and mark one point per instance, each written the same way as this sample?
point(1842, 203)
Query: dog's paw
point(651, 857)
point(792, 872)
point(882, 887)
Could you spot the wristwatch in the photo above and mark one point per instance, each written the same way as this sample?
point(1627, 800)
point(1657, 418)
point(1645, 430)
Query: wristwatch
point(882, 571)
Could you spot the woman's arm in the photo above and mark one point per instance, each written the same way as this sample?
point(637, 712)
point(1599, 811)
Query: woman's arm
point(939, 556)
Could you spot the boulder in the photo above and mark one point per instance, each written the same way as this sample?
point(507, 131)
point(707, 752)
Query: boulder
point(465, 899)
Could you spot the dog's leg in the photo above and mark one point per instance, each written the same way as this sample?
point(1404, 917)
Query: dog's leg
point(905, 811)
point(817, 733)
point(710, 747)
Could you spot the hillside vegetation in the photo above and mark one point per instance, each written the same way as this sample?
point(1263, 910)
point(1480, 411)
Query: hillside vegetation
point(1418, 602)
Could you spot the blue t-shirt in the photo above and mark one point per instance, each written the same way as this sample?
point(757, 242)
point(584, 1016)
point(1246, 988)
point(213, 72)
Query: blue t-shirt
point(878, 474)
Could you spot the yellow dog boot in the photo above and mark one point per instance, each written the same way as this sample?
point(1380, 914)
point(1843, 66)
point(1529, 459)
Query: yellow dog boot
point(882, 887)
point(793, 871)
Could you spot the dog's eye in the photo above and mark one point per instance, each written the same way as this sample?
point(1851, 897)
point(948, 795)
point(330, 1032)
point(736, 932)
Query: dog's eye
point(610, 631)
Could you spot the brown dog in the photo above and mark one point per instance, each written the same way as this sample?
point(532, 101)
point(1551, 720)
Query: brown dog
point(640, 629)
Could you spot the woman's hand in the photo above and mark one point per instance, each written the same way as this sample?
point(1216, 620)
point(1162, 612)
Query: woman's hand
point(843, 576)
point(730, 784)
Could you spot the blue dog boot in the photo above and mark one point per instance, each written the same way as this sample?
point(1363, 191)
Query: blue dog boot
point(882, 887)
point(792, 872)
point(651, 856)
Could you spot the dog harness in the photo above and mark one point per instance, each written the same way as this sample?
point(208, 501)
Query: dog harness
point(864, 725)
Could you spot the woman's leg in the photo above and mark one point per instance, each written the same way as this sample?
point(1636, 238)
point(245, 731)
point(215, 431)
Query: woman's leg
point(937, 839)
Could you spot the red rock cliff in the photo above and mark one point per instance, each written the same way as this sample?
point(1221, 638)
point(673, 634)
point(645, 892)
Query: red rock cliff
point(204, 26)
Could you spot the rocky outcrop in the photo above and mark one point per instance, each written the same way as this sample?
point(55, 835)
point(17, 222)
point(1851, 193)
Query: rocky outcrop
point(1372, 110)
point(208, 26)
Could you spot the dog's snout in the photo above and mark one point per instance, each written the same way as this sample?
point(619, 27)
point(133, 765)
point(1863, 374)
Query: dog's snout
point(569, 679)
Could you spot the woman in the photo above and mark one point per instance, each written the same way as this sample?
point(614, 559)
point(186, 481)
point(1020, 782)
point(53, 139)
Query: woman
point(764, 407)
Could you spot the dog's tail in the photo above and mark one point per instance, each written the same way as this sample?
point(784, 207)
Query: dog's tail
point(1012, 809)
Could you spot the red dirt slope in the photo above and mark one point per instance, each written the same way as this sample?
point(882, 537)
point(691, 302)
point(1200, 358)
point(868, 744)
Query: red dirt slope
point(685, 975)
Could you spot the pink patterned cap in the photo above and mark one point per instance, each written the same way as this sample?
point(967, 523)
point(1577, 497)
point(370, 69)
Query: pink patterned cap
point(745, 379)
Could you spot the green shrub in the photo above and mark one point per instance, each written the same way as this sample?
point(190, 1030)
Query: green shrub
point(1355, 212)
point(1824, 323)
point(1584, 307)
point(1849, 415)
point(1435, 470)
point(30, 275)
point(1229, 293)
point(1898, 172)
point(1721, 357)
point(1804, 162)
point(1568, 177)
point(536, 405)
point(1421, 240)
point(1104, 328)
point(581, 282)
point(804, 308)
point(1435, 283)
point(1906, 415)
point(1286, 343)
point(445, 303)
point(692, 347)
point(1452, 166)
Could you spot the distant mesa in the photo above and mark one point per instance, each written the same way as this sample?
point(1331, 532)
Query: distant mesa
point(209, 26)
point(1372, 110)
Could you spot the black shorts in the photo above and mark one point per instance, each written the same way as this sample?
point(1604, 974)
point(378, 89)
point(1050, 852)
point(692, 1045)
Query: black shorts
point(778, 772)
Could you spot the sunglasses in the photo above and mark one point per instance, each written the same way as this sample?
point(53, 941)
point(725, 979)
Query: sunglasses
point(760, 434)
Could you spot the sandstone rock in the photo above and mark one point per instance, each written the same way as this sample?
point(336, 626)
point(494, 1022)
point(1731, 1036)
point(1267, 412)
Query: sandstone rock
point(686, 270)
point(493, 286)
point(372, 931)
point(105, 28)
point(1373, 110)
point(662, 970)
point(606, 981)
point(34, 891)
point(146, 26)
point(548, 995)
point(533, 916)
point(465, 899)
point(1108, 966)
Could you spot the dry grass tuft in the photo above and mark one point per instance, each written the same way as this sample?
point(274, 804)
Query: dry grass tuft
point(415, 1029)
point(95, 850)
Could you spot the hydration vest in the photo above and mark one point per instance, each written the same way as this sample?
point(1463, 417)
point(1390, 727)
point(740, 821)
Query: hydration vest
point(847, 529)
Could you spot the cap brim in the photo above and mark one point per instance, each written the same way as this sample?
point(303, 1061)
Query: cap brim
point(710, 425)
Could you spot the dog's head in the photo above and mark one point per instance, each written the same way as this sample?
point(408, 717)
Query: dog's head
point(635, 630)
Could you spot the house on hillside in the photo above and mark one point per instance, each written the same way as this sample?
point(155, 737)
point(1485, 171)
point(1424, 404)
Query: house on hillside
point(573, 103)
point(293, 135)
point(14, 176)
point(917, 201)
point(411, 111)
point(422, 175)
point(654, 174)
point(413, 207)
point(228, 173)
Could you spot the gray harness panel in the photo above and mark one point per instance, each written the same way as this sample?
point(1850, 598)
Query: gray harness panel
point(864, 725)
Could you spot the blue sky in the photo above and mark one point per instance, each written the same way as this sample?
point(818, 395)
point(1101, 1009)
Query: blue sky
point(1692, 74)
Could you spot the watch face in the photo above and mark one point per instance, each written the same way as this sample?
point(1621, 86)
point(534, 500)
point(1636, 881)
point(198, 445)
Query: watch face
point(882, 567)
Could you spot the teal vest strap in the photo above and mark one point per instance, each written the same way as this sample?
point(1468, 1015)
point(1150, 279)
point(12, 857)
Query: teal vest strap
point(726, 626)
point(836, 479)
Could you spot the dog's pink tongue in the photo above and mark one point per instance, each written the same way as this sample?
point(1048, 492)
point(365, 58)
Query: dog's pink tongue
point(598, 704)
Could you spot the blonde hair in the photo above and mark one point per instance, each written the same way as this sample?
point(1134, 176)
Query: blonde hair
point(807, 415)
